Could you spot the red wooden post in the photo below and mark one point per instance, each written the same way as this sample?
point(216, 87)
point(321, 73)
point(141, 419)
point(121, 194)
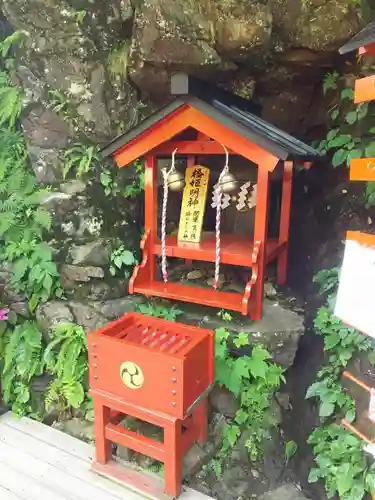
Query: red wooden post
point(151, 209)
point(173, 458)
point(200, 420)
point(260, 234)
point(103, 445)
point(286, 202)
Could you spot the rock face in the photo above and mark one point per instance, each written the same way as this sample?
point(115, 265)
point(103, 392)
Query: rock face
point(99, 53)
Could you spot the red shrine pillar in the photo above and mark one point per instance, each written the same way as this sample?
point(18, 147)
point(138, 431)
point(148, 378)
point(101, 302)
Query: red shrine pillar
point(260, 235)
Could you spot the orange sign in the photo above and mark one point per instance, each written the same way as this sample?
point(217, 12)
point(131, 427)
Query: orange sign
point(364, 89)
point(362, 169)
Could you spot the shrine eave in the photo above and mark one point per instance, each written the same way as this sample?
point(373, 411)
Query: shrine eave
point(227, 110)
point(362, 39)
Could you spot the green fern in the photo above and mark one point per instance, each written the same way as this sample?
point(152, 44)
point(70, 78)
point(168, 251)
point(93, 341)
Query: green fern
point(66, 358)
point(21, 361)
point(10, 105)
point(80, 159)
point(17, 38)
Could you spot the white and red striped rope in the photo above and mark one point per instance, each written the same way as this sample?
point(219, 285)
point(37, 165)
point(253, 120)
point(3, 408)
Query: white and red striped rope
point(166, 173)
point(219, 196)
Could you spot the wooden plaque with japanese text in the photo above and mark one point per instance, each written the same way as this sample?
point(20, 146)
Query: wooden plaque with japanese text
point(193, 204)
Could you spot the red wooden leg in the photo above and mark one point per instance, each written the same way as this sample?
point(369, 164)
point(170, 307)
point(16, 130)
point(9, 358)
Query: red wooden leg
point(260, 239)
point(200, 419)
point(282, 267)
point(286, 200)
point(173, 458)
point(102, 416)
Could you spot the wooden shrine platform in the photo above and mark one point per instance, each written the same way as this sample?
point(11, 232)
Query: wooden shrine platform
point(235, 249)
point(38, 462)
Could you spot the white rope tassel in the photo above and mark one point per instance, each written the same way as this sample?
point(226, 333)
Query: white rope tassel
point(166, 174)
point(219, 195)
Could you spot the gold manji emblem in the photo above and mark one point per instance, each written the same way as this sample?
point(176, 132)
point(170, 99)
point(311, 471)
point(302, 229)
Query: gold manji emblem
point(132, 375)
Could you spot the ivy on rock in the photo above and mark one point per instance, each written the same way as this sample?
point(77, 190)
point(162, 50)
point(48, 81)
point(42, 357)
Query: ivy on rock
point(341, 462)
point(23, 226)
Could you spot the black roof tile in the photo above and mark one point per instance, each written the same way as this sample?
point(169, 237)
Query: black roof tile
point(235, 113)
point(363, 38)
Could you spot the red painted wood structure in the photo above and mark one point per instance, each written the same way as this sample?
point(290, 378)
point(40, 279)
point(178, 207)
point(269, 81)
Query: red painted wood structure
point(198, 121)
point(362, 169)
point(156, 371)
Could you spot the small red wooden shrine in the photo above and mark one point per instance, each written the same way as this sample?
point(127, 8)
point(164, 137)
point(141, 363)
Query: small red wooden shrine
point(156, 371)
point(217, 119)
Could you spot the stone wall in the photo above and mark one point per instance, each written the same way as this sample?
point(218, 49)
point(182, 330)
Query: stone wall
point(91, 70)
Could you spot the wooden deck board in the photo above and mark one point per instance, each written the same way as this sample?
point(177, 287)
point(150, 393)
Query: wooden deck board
point(5, 494)
point(38, 462)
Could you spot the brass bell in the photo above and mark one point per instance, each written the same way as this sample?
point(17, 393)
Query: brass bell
point(228, 183)
point(176, 181)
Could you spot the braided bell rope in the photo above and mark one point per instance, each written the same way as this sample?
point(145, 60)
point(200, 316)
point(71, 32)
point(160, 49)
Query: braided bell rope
point(166, 173)
point(219, 195)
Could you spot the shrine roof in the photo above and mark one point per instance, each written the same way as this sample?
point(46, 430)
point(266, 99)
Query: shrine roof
point(362, 39)
point(233, 112)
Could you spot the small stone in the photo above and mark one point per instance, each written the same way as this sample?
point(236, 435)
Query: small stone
point(87, 317)
point(73, 187)
point(286, 492)
point(193, 461)
point(54, 198)
point(124, 453)
point(283, 399)
point(95, 253)
point(113, 309)
point(275, 411)
point(78, 428)
point(51, 314)
point(81, 274)
point(216, 428)
point(21, 308)
point(194, 275)
point(255, 473)
point(269, 290)
point(223, 401)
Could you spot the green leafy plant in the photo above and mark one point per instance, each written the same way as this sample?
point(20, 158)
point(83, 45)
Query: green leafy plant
point(80, 16)
point(137, 185)
point(341, 463)
point(332, 399)
point(21, 352)
point(168, 313)
point(23, 222)
point(338, 454)
point(352, 133)
point(67, 360)
point(253, 380)
point(118, 59)
point(121, 260)
point(34, 272)
point(80, 159)
point(21, 216)
point(16, 39)
point(290, 450)
point(225, 315)
point(113, 186)
point(11, 99)
point(58, 101)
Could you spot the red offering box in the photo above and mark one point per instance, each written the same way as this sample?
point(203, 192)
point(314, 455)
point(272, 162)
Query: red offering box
point(152, 363)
